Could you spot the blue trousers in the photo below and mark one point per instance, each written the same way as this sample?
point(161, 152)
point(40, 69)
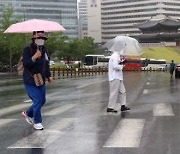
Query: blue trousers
point(38, 96)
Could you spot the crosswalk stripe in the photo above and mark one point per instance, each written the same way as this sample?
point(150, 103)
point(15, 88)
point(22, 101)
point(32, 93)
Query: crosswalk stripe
point(61, 124)
point(27, 101)
point(145, 91)
point(39, 139)
point(60, 109)
point(4, 122)
point(147, 83)
point(162, 109)
point(91, 83)
point(127, 134)
point(13, 108)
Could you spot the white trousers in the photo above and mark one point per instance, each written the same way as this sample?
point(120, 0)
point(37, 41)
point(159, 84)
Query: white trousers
point(116, 87)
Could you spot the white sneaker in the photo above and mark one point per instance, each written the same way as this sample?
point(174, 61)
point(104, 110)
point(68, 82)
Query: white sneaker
point(28, 119)
point(38, 126)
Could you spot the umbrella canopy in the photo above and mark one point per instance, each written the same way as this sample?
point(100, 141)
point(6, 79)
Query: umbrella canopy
point(34, 25)
point(130, 45)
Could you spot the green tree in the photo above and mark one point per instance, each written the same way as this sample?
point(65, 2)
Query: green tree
point(86, 47)
point(64, 51)
point(76, 49)
point(10, 44)
point(55, 43)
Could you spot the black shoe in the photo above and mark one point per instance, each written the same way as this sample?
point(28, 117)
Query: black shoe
point(124, 108)
point(111, 110)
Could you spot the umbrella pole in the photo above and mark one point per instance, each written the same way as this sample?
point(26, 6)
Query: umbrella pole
point(36, 44)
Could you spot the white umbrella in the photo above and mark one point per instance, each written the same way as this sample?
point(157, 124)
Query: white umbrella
point(130, 45)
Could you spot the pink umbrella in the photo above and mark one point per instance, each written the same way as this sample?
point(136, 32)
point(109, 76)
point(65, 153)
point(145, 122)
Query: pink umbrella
point(34, 25)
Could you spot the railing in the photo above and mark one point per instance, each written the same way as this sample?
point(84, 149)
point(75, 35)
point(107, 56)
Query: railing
point(80, 72)
point(76, 72)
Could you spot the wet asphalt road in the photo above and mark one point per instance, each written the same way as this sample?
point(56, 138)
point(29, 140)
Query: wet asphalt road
point(76, 121)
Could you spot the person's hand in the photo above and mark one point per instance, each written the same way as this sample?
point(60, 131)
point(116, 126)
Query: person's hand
point(36, 55)
point(50, 79)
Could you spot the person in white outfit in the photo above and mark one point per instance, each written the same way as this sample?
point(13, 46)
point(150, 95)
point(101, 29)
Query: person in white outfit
point(116, 85)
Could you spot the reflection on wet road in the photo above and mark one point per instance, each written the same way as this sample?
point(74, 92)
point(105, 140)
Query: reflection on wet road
point(76, 121)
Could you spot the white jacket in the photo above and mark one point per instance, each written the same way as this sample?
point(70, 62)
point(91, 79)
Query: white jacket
point(114, 68)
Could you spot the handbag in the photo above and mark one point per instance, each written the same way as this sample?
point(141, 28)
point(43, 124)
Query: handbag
point(38, 79)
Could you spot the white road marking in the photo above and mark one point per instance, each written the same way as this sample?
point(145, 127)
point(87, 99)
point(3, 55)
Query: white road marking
point(62, 124)
point(145, 91)
point(147, 83)
point(12, 87)
point(127, 134)
point(3, 122)
point(91, 83)
point(27, 101)
point(60, 109)
point(39, 139)
point(162, 109)
point(13, 108)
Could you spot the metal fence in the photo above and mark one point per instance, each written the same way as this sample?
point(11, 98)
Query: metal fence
point(76, 72)
point(80, 72)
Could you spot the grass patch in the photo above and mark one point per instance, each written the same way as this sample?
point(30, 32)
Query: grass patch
point(168, 53)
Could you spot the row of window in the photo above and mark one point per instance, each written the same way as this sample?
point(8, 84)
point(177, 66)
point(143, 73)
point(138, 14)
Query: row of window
point(117, 27)
point(172, 9)
point(123, 22)
point(173, 4)
point(50, 1)
point(120, 2)
point(47, 5)
point(128, 11)
point(136, 16)
point(176, 3)
point(132, 5)
point(129, 16)
point(162, 32)
point(121, 32)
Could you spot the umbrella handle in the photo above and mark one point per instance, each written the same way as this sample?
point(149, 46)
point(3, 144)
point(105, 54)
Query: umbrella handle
point(37, 47)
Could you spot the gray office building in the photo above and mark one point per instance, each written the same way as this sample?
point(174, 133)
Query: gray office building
point(62, 11)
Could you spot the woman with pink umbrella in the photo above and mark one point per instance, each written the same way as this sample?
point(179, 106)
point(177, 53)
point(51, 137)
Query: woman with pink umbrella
point(36, 72)
point(36, 65)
